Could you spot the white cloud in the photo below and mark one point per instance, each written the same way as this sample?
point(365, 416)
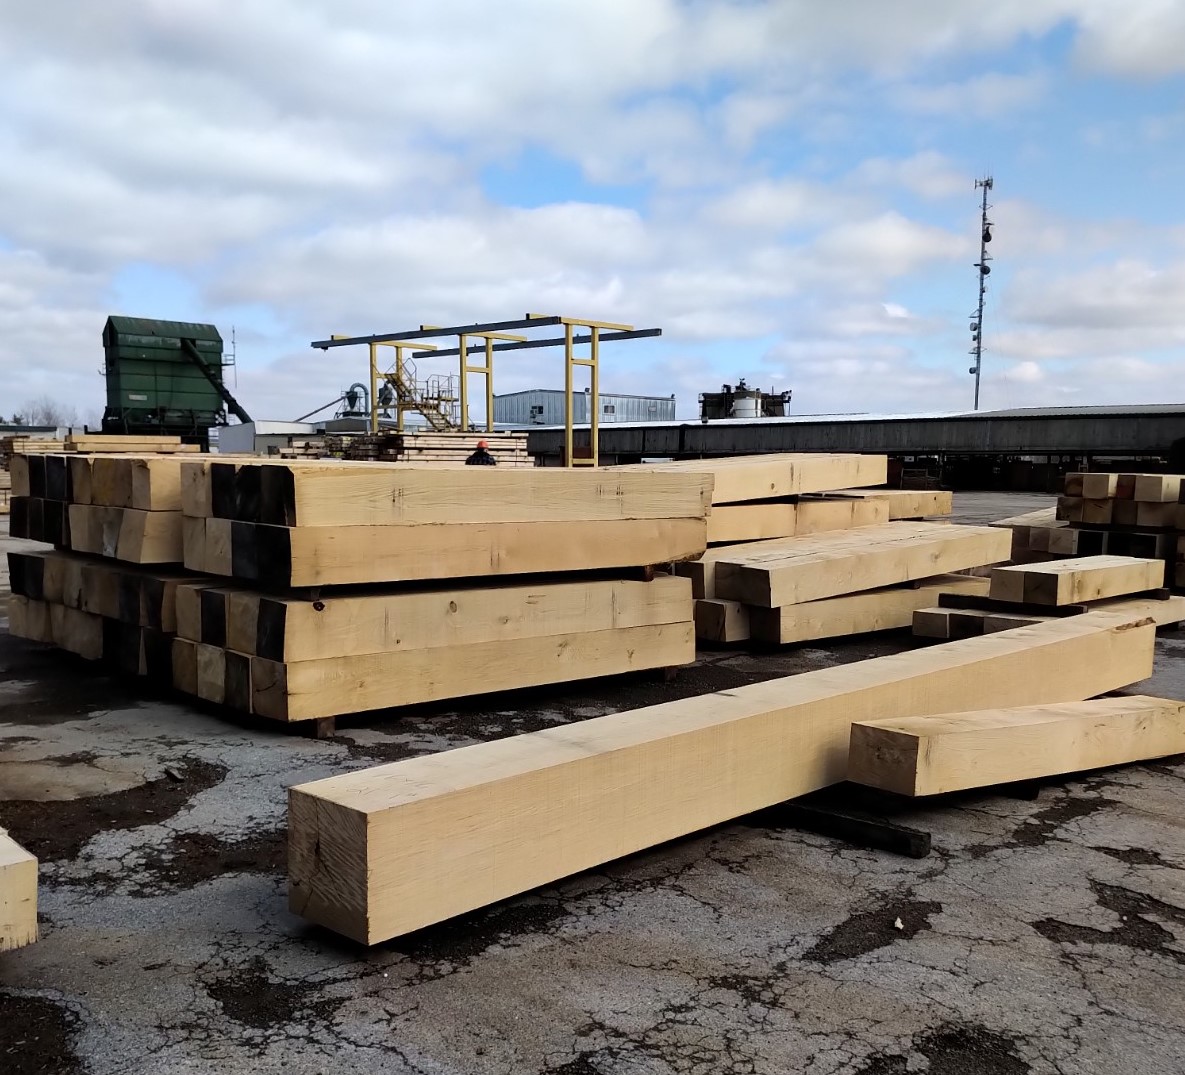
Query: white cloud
point(980, 97)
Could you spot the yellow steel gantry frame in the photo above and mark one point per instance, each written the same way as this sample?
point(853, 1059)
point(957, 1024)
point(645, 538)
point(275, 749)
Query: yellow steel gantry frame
point(593, 362)
point(398, 369)
point(571, 362)
point(487, 370)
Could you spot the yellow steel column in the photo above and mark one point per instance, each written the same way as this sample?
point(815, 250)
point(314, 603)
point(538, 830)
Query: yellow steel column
point(464, 360)
point(595, 423)
point(568, 401)
point(399, 382)
point(489, 384)
point(374, 388)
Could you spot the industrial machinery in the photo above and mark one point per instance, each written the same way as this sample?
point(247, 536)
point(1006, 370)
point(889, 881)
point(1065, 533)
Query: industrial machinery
point(165, 377)
point(743, 402)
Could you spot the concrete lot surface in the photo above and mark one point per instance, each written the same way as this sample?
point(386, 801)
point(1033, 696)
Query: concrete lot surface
point(1042, 936)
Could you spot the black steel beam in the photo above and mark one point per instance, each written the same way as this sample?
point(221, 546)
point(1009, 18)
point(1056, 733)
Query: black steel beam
point(427, 334)
point(523, 345)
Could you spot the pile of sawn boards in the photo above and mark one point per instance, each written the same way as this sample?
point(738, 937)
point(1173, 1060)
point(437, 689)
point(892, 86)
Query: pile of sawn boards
point(799, 553)
point(312, 589)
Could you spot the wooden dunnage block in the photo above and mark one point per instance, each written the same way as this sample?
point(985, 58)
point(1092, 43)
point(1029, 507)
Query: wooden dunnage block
point(211, 672)
point(111, 481)
point(289, 629)
point(193, 543)
point(1099, 486)
point(1156, 488)
point(829, 565)
point(80, 479)
point(764, 477)
point(307, 690)
point(150, 537)
point(1073, 484)
point(18, 469)
point(1068, 582)
point(721, 621)
point(185, 675)
point(381, 852)
point(751, 522)
point(156, 483)
point(282, 557)
point(908, 503)
point(1070, 508)
point(77, 632)
point(854, 614)
point(1069, 541)
point(931, 623)
point(1097, 512)
point(18, 895)
point(952, 752)
point(29, 618)
point(1156, 515)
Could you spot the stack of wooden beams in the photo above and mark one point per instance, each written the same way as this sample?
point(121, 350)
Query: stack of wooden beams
point(1121, 514)
point(125, 507)
point(18, 895)
point(384, 851)
point(462, 580)
point(1031, 534)
point(434, 449)
point(129, 442)
point(99, 609)
point(5, 491)
point(774, 504)
point(1028, 593)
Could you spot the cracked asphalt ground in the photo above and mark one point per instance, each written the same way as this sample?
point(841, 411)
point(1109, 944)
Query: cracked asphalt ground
point(1039, 937)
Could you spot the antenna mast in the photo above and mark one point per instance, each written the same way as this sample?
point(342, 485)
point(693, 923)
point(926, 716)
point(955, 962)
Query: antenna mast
point(985, 237)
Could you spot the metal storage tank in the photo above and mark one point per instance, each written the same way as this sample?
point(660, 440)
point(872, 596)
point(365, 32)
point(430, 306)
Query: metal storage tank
point(545, 407)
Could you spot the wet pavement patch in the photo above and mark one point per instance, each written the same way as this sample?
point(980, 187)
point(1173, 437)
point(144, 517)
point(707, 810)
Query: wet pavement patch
point(954, 1049)
point(36, 1037)
point(867, 931)
point(1137, 928)
point(191, 858)
point(57, 831)
point(52, 687)
point(250, 997)
point(461, 940)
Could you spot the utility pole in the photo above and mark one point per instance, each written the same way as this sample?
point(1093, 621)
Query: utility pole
point(985, 237)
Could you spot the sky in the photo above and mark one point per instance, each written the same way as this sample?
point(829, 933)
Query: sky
point(785, 187)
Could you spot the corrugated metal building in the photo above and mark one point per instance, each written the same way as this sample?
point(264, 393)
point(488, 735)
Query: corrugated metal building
point(545, 407)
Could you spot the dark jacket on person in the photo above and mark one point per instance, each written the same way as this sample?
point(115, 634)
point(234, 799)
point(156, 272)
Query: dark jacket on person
point(481, 458)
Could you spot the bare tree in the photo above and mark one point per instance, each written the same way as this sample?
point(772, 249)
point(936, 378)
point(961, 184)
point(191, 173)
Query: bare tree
point(47, 411)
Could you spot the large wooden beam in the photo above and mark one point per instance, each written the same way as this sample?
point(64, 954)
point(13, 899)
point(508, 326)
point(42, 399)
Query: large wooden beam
point(18, 895)
point(731, 523)
point(308, 690)
point(910, 503)
point(765, 477)
point(291, 629)
point(829, 565)
point(955, 751)
point(875, 610)
point(330, 493)
point(281, 557)
point(381, 852)
point(1068, 582)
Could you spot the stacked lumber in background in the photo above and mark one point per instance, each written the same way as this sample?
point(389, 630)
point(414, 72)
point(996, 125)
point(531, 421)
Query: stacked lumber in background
point(1028, 593)
point(1031, 534)
point(5, 491)
point(423, 449)
point(1121, 514)
point(956, 751)
point(826, 585)
point(381, 852)
point(18, 895)
point(17, 445)
point(396, 584)
point(774, 504)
